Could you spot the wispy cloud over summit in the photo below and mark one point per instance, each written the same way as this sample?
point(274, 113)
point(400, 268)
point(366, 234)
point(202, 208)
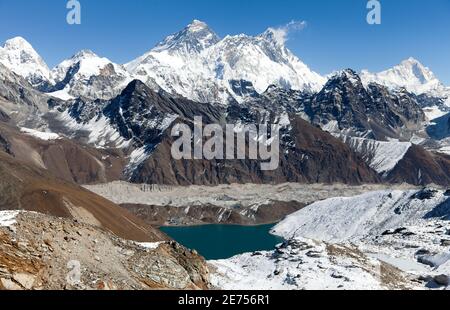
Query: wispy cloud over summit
point(282, 32)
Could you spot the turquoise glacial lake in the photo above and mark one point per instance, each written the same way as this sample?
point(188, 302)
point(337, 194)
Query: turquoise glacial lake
point(224, 241)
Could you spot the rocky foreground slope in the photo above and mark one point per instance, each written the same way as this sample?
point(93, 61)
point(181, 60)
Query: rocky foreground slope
point(42, 252)
point(27, 187)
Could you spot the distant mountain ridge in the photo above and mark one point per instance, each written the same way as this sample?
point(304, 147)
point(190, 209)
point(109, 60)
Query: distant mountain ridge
point(197, 64)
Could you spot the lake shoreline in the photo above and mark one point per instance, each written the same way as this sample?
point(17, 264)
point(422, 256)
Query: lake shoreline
point(224, 224)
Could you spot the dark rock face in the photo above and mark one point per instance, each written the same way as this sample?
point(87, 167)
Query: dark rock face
point(345, 107)
point(442, 279)
point(441, 211)
point(139, 112)
point(4, 145)
point(66, 80)
point(143, 116)
point(421, 167)
point(440, 129)
point(425, 194)
point(271, 212)
point(374, 112)
point(4, 117)
point(426, 100)
point(243, 88)
point(343, 99)
point(310, 156)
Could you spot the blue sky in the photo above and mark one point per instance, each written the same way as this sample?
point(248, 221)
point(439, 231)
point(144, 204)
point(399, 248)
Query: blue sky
point(337, 35)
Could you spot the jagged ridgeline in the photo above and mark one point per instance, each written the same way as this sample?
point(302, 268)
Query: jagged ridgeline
point(347, 127)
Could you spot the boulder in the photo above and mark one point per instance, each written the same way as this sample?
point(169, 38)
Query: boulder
point(442, 279)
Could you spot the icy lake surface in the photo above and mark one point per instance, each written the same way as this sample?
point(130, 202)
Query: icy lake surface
point(224, 241)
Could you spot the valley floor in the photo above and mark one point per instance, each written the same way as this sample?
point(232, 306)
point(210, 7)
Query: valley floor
point(244, 204)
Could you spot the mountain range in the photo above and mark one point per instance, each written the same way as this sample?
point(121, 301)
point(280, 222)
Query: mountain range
point(128, 110)
point(187, 61)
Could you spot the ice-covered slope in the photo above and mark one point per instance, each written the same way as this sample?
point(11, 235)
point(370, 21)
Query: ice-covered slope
point(407, 229)
point(378, 240)
point(303, 264)
point(47, 136)
point(20, 57)
point(196, 64)
point(88, 75)
point(343, 219)
point(382, 156)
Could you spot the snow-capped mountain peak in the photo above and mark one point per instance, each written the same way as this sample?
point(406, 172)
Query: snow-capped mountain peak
point(84, 54)
point(347, 74)
point(20, 57)
point(196, 64)
point(273, 35)
point(193, 39)
point(412, 68)
point(89, 75)
point(342, 77)
point(87, 63)
point(18, 43)
point(197, 26)
point(410, 74)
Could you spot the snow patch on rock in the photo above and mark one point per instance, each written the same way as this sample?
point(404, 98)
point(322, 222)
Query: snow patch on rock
point(8, 218)
point(47, 136)
point(381, 156)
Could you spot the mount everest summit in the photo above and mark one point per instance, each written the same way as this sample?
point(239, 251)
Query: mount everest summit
point(194, 63)
point(191, 59)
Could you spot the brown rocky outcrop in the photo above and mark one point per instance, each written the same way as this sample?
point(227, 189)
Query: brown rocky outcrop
point(43, 252)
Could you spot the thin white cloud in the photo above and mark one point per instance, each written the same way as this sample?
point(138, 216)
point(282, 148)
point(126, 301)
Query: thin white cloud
point(282, 33)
